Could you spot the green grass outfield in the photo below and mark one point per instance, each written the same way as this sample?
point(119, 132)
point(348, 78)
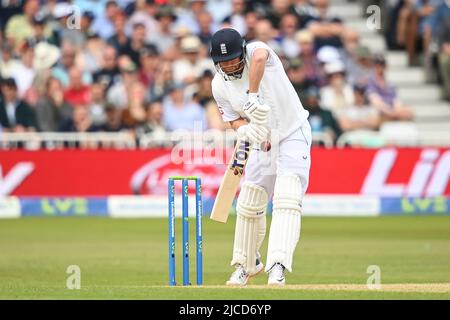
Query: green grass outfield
point(128, 258)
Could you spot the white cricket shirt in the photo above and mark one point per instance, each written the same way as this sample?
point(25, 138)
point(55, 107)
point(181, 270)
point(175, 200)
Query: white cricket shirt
point(287, 113)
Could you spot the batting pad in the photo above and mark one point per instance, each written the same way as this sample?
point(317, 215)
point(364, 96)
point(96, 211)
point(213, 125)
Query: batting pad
point(261, 233)
point(286, 221)
point(251, 208)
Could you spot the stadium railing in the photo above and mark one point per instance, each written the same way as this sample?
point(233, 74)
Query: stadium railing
point(401, 134)
point(208, 138)
point(60, 140)
point(127, 140)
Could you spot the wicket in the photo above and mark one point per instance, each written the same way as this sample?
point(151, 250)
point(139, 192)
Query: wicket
point(185, 224)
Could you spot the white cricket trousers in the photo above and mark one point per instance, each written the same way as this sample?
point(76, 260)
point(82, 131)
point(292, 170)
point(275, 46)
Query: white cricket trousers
point(292, 155)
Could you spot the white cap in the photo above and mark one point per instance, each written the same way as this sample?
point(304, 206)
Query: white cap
point(328, 54)
point(304, 36)
point(45, 56)
point(62, 9)
point(334, 67)
point(190, 44)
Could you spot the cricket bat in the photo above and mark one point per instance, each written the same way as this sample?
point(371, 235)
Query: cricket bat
point(230, 181)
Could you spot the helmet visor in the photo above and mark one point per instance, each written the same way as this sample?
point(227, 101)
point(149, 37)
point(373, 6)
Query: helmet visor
point(231, 69)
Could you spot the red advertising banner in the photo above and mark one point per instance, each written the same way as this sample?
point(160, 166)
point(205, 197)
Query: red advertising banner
point(383, 172)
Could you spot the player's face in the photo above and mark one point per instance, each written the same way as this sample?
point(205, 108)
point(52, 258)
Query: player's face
point(232, 66)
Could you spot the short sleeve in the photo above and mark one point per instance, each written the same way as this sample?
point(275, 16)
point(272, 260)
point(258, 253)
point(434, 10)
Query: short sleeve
point(251, 47)
point(225, 109)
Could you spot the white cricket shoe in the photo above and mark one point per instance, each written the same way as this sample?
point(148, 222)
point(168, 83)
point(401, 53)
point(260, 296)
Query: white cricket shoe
point(276, 275)
point(240, 277)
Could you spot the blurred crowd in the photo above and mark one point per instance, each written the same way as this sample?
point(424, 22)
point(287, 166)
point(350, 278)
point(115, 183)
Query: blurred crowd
point(422, 29)
point(142, 66)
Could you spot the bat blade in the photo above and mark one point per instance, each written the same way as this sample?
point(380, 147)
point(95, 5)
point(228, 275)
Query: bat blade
point(230, 182)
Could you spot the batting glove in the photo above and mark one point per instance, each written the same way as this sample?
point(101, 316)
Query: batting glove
point(255, 111)
point(253, 133)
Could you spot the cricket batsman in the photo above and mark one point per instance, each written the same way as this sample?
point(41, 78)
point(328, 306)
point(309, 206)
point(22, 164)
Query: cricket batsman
point(255, 96)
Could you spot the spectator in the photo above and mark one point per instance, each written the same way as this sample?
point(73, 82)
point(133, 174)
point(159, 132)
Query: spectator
point(444, 58)
point(37, 88)
point(310, 63)
point(15, 114)
point(351, 53)
point(52, 109)
point(149, 64)
point(134, 114)
point(45, 57)
point(321, 120)
point(103, 24)
point(401, 15)
point(7, 62)
point(326, 55)
point(191, 66)
point(439, 17)
point(9, 9)
point(264, 32)
point(20, 26)
point(338, 94)
point(251, 19)
point(67, 62)
point(164, 37)
point(383, 96)
point(440, 26)
point(360, 115)
point(39, 27)
point(97, 104)
point(182, 113)
point(174, 53)
point(350, 41)
point(77, 92)
point(204, 97)
point(136, 43)
point(81, 121)
point(205, 23)
point(236, 19)
point(117, 94)
point(86, 22)
point(358, 65)
point(119, 39)
point(47, 8)
point(288, 31)
point(108, 75)
point(188, 17)
point(425, 9)
point(66, 30)
point(113, 120)
point(90, 58)
point(144, 13)
point(297, 75)
point(95, 7)
point(163, 80)
point(327, 29)
point(154, 119)
point(219, 9)
point(305, 12)
point(277, 10)
point(204, 90)
point(126, 53)
point(24, 72)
